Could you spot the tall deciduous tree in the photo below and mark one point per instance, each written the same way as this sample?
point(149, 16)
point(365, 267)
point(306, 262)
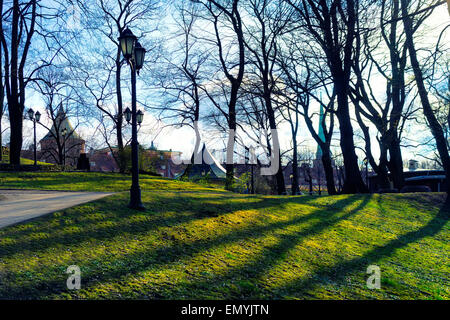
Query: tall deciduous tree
point(386, 113)
point(227, 13)
point(106, 19)
point(306, 80)
point(16, 45)
point(23, 22)
point(2, 101)
point(435, 126)
point(269, 19)
point(183, 76)
point(332, 25)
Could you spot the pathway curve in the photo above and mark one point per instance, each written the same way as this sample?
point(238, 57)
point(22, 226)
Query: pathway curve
point(21, 205)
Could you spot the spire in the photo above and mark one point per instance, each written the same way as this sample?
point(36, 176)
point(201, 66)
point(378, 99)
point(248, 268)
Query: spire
point(61, 122)
point(61, 109)
point(321, 132)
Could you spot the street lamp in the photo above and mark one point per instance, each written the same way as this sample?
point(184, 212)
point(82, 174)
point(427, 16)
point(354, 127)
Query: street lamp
point(134, 53)
point(35, 117)
point(139, 56)
point(140, 117)
point(127, 114)
point(366, 163)
point(64, 133)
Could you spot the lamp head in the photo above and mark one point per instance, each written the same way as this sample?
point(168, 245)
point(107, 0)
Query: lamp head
point(127, 42)
point(127, 114)
point(140, 117)
point(139, 56)
point(30, 114)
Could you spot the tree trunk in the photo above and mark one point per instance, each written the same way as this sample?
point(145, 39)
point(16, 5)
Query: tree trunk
point(2, 89)
point(195, 157)
point(281, 187)
point(295, 187)
point(382, 168)
point(1, 136)
point(328, 169)
point(14, 107)
point(435, 126)
point(353, 182)
point(1, 142)
point(229, 182)
point(119, 121)
point(16, 121)
point(396, 165)
point(309, 180)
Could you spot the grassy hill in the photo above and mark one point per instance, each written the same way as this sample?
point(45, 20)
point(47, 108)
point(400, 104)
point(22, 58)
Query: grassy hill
point(92, 181)
point(24, 161)
point(199, 242)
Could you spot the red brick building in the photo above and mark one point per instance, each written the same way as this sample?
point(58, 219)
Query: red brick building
point(103, 160)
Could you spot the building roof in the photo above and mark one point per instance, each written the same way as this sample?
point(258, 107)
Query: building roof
point(62, 122)
point(209, 165)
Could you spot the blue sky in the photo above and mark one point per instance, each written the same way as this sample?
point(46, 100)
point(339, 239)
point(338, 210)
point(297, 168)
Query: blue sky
point(182, 139)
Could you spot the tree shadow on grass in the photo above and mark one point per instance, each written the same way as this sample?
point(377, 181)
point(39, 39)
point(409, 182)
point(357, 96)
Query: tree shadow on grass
point(176, 251)
point(340, 271)
point(188, 209)
point(274, 254)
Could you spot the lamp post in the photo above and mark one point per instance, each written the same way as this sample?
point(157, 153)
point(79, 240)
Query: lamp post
point(134, 53)
point(64, 134)
point(291, 176)
point(35, 117)
point(366, 163)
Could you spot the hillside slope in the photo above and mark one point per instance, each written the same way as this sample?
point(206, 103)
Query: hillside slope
point(198, 243)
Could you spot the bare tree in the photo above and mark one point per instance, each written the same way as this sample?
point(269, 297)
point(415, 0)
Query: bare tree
point(106, 19)
point(268, 21)
point(21, 17)
point(332, 25)
point(387, 113)
point(184, 75)
point(23, 21)
point(56, 91)
point(306, 78)
point(2, 102)
point(434, 125)
point(226, 15)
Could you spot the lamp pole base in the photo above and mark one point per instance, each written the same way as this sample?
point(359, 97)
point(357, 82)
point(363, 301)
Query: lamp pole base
point(135, 199)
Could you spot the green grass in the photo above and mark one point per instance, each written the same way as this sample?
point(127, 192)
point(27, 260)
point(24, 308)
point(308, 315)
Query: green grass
point(92, 181)
point(26, 161)
point(204, 243)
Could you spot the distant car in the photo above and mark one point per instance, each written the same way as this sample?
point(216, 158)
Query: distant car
point(419, 188)
point(387, 190)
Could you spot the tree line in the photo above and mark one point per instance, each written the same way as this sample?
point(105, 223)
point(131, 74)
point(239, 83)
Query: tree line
point(244, 65)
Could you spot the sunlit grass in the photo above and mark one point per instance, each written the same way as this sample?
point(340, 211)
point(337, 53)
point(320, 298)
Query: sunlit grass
point(202, 243)
point(93, 181)
point(24, 161)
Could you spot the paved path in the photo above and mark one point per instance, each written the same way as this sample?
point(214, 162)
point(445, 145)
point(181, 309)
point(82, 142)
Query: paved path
point(21, 205)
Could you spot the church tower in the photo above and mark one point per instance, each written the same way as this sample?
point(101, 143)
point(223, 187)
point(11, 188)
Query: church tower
point(70, 145)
